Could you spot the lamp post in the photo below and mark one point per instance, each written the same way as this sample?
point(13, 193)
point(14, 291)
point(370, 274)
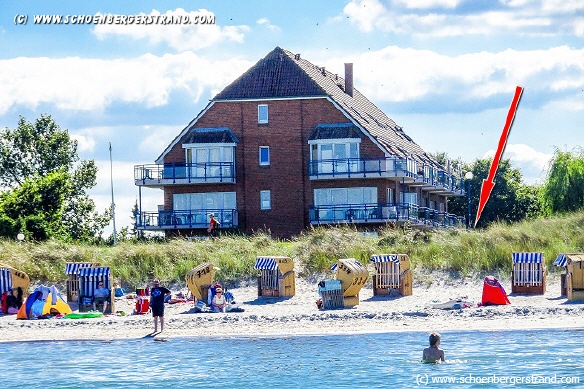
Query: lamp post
point(468, 176)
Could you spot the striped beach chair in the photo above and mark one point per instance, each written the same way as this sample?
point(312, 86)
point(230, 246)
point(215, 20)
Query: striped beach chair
point(72, 272)
point(277, 278)
point(562, 262)
point(392, 274)
point(528, 274)
point(5, 280)
point(88, 280)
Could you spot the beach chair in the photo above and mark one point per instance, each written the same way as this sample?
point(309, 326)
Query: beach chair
point(11, 278)
point(528, 274)
point(575, 277)
point(353, 275)
point(199, 280)
point(142, 301)
point(331, 294)
point(561, 262)
point(5, 287)
point(392, 274)
point(276, 278)
point(88, 280)
point(72, 272)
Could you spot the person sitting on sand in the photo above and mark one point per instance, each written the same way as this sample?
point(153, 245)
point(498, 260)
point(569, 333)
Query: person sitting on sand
point(219, 302)
point(14, 300)
point(100, 295)
point(434, 353)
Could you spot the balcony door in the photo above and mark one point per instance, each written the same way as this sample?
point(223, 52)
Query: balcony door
point(333, 203)
point(210, 162)
point(197, 206)
point(336, 156)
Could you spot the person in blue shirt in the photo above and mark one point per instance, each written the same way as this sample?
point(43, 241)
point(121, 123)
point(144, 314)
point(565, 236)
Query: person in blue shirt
point(100, 295)
point(157, 295)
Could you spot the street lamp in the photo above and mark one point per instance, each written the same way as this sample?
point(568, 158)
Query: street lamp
point(468, 176)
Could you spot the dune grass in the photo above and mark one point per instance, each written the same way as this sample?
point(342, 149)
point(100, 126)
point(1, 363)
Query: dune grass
point(465, 252)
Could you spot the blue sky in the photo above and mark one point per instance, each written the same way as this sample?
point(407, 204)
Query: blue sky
point(444, 70)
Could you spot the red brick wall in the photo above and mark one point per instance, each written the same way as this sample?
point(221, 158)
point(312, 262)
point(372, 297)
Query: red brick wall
point(290, 125)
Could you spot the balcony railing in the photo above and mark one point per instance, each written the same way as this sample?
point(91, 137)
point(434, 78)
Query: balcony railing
point(184, 173)
point(194, 218)
point(383, 213)
point(362, 167)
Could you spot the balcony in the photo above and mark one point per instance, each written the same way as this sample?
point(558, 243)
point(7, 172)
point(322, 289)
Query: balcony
point(384, 213)
point(400, 169)
point(184, 173)
point(446, 184)
point(185, 219)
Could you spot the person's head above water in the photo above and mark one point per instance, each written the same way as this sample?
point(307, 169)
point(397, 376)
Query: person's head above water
point(434, 338)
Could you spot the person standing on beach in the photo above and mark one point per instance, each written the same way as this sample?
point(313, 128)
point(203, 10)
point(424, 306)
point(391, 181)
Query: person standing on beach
point(434, 353)
point(157, 295)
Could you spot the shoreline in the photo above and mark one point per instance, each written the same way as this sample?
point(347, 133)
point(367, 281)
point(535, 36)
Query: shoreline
point(299, 316)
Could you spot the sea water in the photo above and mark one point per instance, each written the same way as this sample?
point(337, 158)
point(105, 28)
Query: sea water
point(534, 358)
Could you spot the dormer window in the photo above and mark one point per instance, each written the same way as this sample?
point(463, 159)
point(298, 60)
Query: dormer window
point(263, 114)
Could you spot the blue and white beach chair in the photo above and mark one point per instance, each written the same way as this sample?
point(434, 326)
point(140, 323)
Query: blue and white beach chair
point(528, 274)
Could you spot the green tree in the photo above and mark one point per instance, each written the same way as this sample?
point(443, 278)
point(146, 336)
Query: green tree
point(564, 187)
point(510, 200)
point(47, 182)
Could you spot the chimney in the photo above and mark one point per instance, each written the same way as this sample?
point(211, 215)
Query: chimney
point(349, 79)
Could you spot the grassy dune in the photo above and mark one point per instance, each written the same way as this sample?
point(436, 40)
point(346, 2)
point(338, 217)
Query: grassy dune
point(461, 251)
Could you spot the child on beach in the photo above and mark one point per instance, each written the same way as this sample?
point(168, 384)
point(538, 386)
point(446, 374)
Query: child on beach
point(434, 353)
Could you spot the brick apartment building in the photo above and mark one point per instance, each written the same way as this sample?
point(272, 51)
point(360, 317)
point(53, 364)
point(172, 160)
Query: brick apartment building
point(288, 145)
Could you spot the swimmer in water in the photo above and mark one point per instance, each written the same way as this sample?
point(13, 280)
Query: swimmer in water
point(434, 353)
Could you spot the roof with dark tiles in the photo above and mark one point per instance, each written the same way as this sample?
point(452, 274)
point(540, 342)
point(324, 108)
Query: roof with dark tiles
point(283, 74)
point(335, 131)
point(211, 135)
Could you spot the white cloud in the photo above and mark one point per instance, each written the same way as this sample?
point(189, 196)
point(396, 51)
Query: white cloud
point(425, 17)
point(80, 84)
point(84, 143)
point(265, 22)
point(422, 4)
point(396, 74)
point(179, 36)
point(532, 163)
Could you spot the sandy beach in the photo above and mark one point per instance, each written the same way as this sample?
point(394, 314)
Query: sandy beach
point(299, 315)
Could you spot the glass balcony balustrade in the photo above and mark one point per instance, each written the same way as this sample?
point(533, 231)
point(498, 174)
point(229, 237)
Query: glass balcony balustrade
point(181, 173)
point(383, 213)
point(156, 220)
point(362, 167)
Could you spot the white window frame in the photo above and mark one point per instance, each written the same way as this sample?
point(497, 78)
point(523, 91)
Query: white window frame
point(263, 115)
point(266, 162)
point(265, 200)
point(347, 142)
point(390, 198)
